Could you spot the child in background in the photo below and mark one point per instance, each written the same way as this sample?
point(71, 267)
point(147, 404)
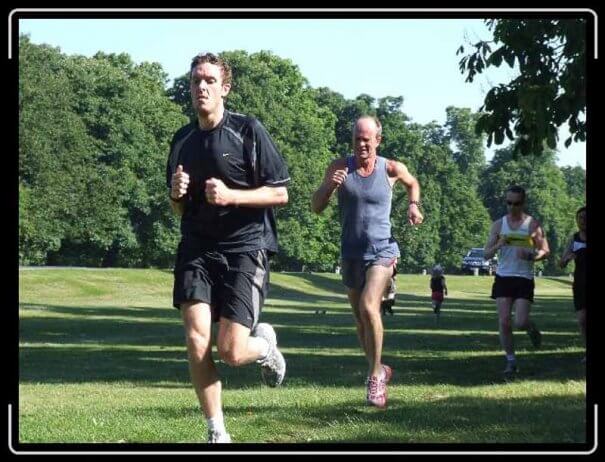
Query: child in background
point(438, 289)
point(388, 299)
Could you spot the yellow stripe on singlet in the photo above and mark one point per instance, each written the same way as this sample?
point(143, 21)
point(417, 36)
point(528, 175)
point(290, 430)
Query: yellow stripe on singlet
point(519, 240)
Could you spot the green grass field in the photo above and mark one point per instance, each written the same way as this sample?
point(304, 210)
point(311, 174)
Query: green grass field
point(102, 359)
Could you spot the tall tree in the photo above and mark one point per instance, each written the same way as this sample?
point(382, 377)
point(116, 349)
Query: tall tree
point(549, 90)
point(452, 200)
point(92, 147)
point(575, 179)
point(64, 197)
point(467, 146)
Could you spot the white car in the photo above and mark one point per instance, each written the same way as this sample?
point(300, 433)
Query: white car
point(474, 260)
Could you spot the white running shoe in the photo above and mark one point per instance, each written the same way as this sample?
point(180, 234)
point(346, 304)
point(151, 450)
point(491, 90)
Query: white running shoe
point(217, 437)
point(273, 366)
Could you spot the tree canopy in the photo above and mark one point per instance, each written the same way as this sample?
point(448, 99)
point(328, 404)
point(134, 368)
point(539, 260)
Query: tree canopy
point(94, 140)
point(550, 55)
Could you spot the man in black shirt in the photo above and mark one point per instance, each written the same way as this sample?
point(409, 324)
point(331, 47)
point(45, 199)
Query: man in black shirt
point(224, 175)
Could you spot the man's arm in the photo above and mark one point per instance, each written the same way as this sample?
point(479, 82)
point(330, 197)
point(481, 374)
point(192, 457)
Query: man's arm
point(399, 172)
point(568, 254)
point(177, 207)
point(178, 188)
point(336, 174)
point(494, 241)
point(541, 247)
point(217, 193)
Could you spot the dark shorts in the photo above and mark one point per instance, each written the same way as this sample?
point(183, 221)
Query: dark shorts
point(235, 285)
point(513, 287)
point(354, 271)
point(579, 296)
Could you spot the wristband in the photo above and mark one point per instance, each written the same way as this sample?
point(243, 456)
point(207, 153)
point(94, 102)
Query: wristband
point(176, 200)
point(417, 203)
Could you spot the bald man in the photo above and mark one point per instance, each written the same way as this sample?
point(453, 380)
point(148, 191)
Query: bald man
point(364, 183)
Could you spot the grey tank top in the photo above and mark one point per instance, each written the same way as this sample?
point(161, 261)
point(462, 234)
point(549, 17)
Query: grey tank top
point(365, 213)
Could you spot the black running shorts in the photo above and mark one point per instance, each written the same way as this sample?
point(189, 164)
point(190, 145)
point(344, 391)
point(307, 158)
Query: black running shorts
point(513, 287)
point(235, 285)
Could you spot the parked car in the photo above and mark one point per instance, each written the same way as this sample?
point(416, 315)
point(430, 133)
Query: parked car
point(474, 259)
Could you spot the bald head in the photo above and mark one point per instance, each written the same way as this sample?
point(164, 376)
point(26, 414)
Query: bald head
point(368, 123)
point(366, 137)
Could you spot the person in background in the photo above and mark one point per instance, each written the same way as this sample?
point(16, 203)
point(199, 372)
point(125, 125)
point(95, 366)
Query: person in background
point(520, 240)
point(388, 298)
point(438, 289)
point(576, 251)
point(364, 184)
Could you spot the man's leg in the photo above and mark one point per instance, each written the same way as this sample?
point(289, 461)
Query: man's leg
point(377, 277)
point(204, 376)
point(522, 321)
point(437, 308)
point(235, 345)
point(354, 295)
point(504, 305)
point(241, 338)
point(379, 375)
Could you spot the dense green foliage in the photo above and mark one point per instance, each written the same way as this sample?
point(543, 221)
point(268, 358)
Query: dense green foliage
point(549, 90)
point(93, 143)
point(93, 137)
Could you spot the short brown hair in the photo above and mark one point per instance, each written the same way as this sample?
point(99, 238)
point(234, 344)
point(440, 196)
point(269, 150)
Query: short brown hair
point(212, 59)
point(516, 189)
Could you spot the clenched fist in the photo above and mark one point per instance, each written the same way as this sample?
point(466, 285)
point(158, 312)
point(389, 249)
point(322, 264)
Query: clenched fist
point(415, 217)
point(217, 193)
point(338, 177)
point(180, 183)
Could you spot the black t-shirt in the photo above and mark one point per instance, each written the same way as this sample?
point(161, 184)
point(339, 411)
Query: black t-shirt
point(240, 152)
point(579, 245)
point(437, 283)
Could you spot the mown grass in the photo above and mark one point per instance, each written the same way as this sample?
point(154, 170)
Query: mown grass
point(102, 359)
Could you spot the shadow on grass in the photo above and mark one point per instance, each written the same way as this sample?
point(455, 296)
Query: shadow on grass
point(88, 350)
point(146, 344)
point(470, 419)
point(434, 419)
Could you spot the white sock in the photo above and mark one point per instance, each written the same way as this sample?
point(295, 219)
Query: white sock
point(216, 423)
point(511, 357)
point(264, 349)
point(381, 375)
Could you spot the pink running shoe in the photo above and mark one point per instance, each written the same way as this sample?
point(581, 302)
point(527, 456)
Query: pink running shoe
point(388, 373)
point(377, 392)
